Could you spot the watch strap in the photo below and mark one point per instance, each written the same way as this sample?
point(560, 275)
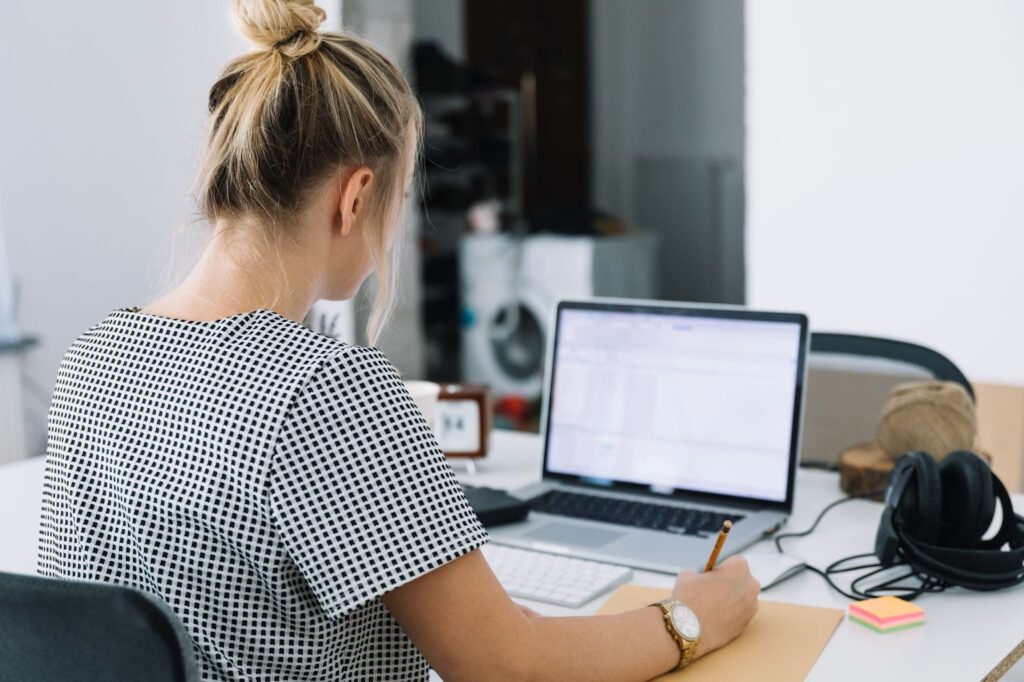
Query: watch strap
point(687, 647)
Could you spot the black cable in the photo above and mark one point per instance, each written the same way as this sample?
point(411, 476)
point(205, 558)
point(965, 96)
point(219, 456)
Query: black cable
point(926, 584)
point(837, 565)
point(891, 587)
point(831, 583)
point(821, 515)
point(856, 592)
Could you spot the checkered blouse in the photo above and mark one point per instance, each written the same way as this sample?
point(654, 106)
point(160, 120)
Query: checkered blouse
point(267, 482)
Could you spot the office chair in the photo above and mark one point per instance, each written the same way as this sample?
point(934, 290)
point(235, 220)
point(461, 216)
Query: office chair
point(848, 380)
point(88, 632)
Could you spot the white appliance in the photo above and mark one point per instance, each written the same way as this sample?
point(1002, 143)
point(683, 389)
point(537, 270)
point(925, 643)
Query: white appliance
point(510, 286)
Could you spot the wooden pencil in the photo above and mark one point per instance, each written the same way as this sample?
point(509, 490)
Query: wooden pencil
point(722, 535)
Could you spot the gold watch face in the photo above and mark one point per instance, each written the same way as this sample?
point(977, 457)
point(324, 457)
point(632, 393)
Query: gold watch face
point(685, 621)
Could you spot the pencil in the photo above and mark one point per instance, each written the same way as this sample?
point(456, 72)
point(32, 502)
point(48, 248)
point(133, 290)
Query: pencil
point(722, 535)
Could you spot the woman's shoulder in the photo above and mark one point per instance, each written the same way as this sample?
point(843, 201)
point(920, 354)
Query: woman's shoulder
point(350, 369)
point(263, 327)
point(333, 367)
point(322, 359)
point(257, 342)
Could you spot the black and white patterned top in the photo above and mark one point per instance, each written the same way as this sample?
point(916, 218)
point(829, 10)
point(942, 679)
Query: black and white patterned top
point(267, 482)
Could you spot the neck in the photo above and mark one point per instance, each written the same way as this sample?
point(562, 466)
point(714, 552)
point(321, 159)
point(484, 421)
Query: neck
point(240, 271)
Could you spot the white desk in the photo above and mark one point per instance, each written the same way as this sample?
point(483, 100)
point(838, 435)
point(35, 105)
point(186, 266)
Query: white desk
point(21, 494)
point(965, 635)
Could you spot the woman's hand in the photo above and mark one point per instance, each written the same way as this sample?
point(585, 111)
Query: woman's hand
point(724, 600)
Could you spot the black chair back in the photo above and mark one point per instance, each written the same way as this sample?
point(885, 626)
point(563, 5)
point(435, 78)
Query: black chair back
point(89, 632)
point(848, 379)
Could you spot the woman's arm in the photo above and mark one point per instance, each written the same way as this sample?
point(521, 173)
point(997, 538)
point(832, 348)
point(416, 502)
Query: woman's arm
point(467, 627)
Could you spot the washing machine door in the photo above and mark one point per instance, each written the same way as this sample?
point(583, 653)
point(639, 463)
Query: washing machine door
point(517, 341)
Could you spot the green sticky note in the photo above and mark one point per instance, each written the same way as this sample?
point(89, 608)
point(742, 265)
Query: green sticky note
point(885, 631)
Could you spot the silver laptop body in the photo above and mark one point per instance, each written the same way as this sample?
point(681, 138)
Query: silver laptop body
point(676, 405)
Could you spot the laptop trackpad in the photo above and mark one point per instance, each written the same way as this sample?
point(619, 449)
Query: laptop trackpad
point(566, 534)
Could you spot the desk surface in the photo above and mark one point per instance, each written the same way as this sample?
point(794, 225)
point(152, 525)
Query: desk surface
point(965, 636)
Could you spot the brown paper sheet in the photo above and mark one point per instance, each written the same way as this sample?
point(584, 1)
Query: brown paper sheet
point(781, 643)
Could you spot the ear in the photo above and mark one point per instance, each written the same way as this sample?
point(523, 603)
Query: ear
point(355, 187)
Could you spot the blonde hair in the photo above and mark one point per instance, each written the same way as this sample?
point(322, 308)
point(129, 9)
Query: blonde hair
point(304, 105)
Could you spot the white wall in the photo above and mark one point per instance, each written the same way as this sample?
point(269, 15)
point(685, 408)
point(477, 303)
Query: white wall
point(884, 180)
point(101, 124)
point(102, 117)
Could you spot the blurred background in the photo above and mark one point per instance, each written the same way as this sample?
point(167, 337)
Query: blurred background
point(860, 162)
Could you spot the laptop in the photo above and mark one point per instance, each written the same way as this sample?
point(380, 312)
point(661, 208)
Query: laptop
point(661, 421)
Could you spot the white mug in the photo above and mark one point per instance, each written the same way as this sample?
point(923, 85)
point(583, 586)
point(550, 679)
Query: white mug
point(425, 394)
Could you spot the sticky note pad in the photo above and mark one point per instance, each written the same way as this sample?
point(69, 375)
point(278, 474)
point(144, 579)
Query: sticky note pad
point(886, 614)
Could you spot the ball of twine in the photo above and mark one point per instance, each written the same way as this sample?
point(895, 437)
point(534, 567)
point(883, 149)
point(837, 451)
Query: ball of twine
point(936, 417)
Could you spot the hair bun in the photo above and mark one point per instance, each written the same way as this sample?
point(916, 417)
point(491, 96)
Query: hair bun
point(271, 23)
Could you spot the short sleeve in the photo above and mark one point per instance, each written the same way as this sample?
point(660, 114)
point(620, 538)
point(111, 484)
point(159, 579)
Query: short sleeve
point(359, 490)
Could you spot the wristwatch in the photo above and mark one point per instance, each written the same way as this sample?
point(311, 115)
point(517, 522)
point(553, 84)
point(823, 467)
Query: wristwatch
point(681, 622)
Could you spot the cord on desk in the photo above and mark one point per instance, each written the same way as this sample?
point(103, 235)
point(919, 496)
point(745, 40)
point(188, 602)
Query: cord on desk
point(890, 586)
point(804, 533)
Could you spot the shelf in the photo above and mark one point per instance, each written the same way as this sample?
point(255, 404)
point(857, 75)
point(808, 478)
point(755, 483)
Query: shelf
point(19, 345)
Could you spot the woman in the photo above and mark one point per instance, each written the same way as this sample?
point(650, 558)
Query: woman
point(279, 489)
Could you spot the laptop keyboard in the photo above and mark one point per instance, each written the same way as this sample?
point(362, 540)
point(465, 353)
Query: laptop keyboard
point(670, 519)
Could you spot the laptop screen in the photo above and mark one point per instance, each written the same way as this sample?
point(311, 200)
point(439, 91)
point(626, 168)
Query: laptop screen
point(676, 399)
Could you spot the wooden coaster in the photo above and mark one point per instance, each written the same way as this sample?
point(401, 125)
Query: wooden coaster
point(863, 469)
point(936, 417)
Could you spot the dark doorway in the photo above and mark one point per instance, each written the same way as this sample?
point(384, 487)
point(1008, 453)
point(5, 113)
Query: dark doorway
point(540, 48)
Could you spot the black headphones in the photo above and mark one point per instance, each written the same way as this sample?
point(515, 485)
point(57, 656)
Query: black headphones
point(936, 514)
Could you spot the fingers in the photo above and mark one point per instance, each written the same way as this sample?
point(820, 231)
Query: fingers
point(736, 562)
point(741, 568)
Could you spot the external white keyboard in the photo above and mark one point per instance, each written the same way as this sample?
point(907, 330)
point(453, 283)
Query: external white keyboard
point(552, 578)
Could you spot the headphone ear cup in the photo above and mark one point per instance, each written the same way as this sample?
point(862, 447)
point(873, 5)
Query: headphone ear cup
point(919, 510)
point(968, 501)
point(887, 541)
